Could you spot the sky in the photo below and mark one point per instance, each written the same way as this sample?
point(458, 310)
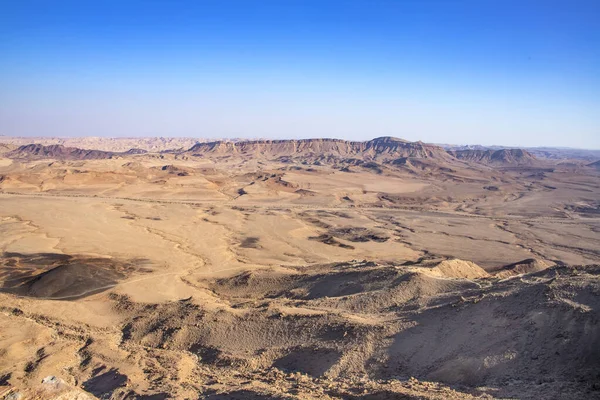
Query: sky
point(505, 72)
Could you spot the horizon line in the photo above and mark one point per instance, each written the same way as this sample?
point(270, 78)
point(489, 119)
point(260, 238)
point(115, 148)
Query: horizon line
point(243, 139)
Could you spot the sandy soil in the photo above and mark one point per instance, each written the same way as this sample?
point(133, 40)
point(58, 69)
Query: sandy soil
point(155, 276)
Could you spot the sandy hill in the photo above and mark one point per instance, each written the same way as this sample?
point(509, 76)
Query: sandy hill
point(503, 156)
point(527, 266)
point(455, 268)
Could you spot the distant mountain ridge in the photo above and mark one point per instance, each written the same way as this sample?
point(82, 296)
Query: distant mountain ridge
point(549, 153)
point(382, 149)
point(180, 144)
point(385, 148)
point(503, 156)
point(118, 144)
point(66, 153)
point(58, 151)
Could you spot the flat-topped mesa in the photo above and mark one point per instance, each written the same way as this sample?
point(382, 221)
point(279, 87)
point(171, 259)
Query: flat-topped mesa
point(273, 147)
point(58, 151)
point(503, 156)
point(379, 148)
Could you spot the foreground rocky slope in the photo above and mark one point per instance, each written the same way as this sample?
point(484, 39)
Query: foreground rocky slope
point(317, 332)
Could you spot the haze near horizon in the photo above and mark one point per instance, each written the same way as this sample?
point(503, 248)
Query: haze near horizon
point(466, 72)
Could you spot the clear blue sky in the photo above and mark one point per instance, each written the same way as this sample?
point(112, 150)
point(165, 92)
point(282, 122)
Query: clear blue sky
point(511, 72)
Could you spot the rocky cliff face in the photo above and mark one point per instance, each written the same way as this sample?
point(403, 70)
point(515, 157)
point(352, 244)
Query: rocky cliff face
point(381, 148)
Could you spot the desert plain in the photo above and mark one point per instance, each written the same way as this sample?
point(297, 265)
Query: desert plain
point(297, 269)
